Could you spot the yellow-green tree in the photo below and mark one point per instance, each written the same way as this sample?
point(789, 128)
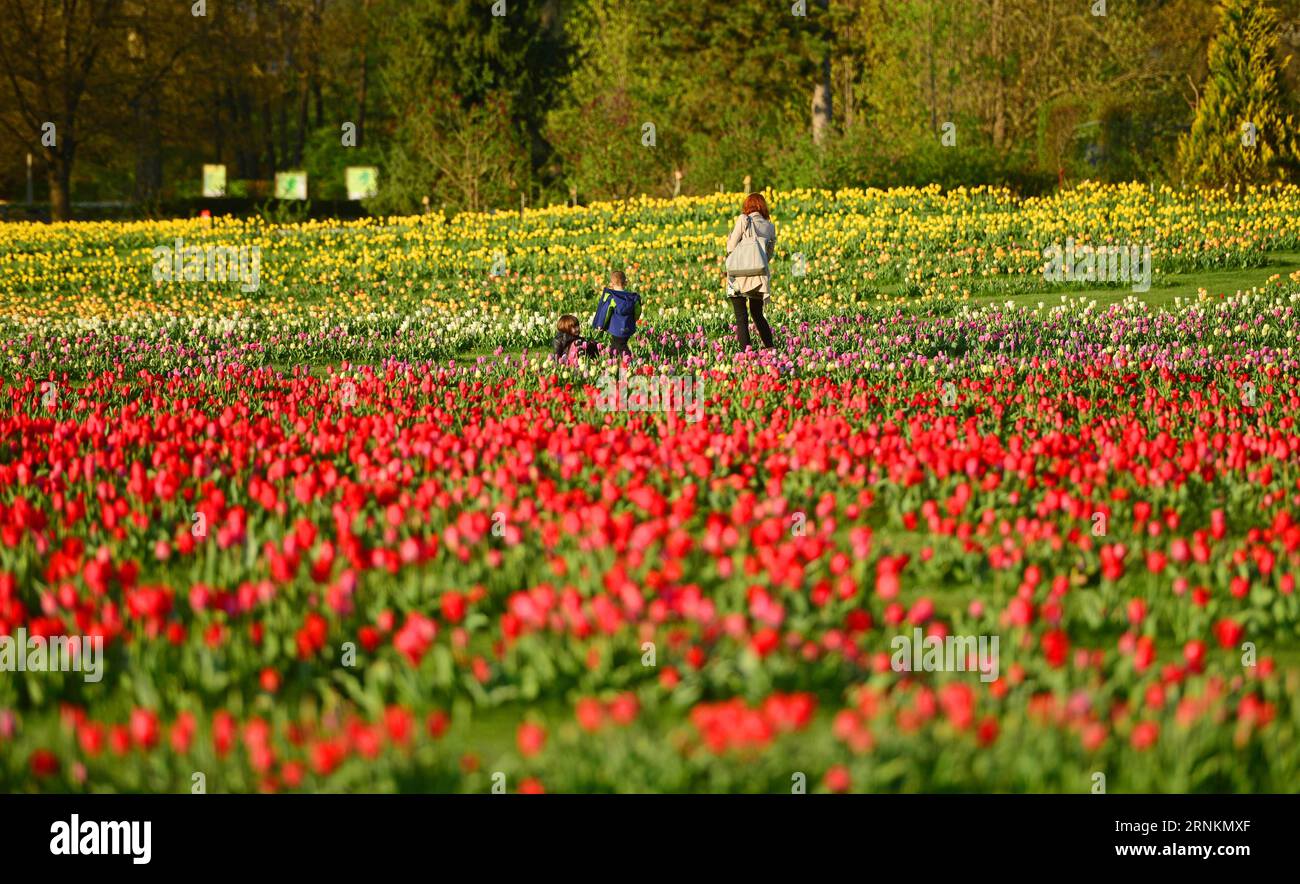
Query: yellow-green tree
point(1242, 133)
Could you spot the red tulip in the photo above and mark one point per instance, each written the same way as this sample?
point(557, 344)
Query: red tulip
point(837, 779)
point(531, 739)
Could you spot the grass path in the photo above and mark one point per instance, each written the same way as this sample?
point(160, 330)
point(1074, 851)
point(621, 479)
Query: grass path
point(1228, 281)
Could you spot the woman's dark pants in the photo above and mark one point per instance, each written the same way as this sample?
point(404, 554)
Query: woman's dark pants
point(742, 321)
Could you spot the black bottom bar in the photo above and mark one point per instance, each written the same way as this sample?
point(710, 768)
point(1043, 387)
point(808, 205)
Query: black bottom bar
point(329, 833)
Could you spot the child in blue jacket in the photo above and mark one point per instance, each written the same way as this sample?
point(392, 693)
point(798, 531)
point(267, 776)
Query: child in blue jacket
point(618, 312)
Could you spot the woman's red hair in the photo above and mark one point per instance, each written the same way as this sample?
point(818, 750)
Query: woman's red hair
point(755, 203)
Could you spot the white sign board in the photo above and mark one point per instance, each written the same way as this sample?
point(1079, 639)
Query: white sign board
point(214, 180)
point(363, 182)
point(291, 185)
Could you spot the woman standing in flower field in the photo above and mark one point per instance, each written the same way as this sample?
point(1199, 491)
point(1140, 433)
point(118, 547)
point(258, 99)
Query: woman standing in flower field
point(753, 222)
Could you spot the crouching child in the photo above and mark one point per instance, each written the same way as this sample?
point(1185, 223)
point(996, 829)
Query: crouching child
point(568, 343)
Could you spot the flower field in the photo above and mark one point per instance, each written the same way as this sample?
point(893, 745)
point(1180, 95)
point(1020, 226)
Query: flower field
point(74, 297)
point(354, 532)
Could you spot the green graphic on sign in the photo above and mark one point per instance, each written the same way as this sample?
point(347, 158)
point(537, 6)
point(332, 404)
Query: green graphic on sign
point(363, 182)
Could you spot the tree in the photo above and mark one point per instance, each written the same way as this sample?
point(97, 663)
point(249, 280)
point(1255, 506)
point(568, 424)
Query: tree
point(599, 130)
point(50, 54)
point(471, 63)
point(78, 71)
point(465, 158)
point(156, 43)
point(1242, 133)
point(726, 88)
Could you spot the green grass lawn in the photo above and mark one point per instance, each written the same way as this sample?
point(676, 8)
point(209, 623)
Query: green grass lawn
point(1176, 285)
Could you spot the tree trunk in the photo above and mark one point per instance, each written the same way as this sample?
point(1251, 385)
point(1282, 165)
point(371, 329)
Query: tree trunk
point(821, 104)
point(1000, 85)
point(361, 97)
point(821, 100)
point(148, 150)
point(217, 128)
point(268, 138)
point(249, 155)
point(286, 149)
point(59, 175)
point(303, 99)
point(929, 63)
point(848, 93)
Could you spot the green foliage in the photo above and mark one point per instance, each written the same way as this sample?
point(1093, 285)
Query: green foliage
point(725, 88)
point(284, 212)
point(468, 108)
point(599, 128)
point(326, 162)
point(462, 158)
point(1242, 133)
point(858, 157)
